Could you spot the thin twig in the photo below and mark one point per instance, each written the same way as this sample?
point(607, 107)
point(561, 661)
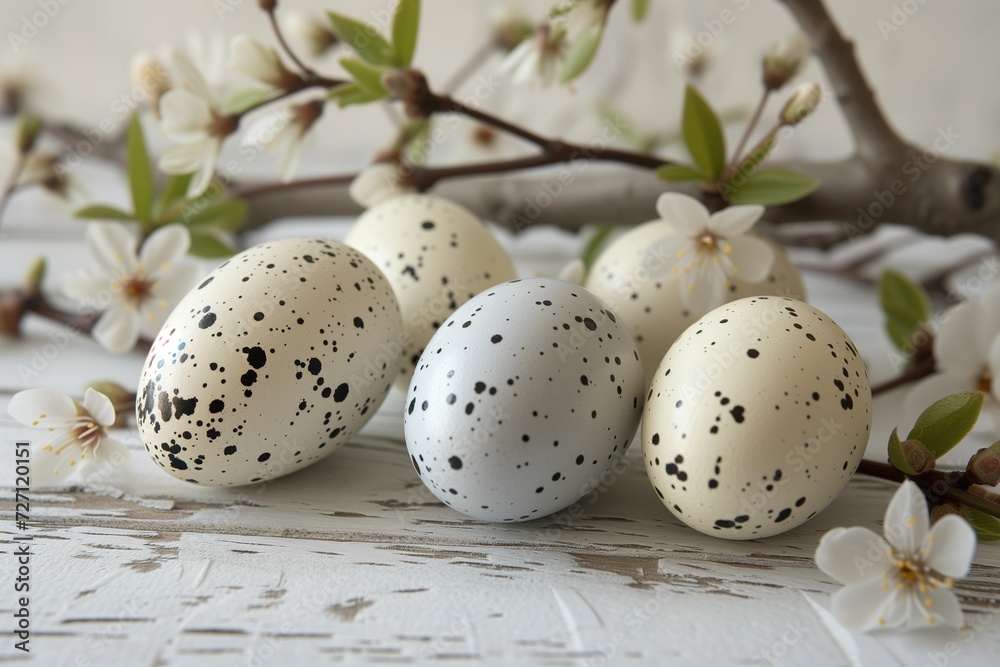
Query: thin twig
point(307, 71)
point(751, 126)
point(937, 482)
point(11, 185)
point(920, 370)
point(248, 191)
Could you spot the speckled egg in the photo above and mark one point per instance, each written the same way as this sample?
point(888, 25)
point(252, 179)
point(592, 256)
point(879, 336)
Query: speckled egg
point(436, 255)
point(524, 397)
point(757, 418)
point(628, 277)
point(277, 358)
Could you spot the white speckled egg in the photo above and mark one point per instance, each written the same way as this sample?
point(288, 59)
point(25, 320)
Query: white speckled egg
point(650, 305)
point(272, 362)
point(757, 418)
point(524, 397)
point(436, 255)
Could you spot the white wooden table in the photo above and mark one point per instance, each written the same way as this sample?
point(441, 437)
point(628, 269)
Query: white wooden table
point(352, 561)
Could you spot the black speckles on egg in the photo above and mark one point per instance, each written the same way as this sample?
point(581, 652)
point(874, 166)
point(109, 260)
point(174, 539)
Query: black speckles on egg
point(504, 391)
point(757, 386)
point(255, 363)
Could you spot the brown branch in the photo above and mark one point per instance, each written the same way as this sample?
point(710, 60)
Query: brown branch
point(936, 484)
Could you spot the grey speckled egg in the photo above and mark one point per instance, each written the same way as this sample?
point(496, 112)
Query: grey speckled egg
point(277, 358)
point(756, 419)
point(524, 397)
point(625, 278)
point(436, 255)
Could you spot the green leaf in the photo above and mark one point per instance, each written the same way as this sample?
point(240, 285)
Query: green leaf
point(207, 244)
point(405, 23)
point(102, 212)
point(367, 76)
point(225, 214)
point(595, 244)
point(680, 173)
point(771, 187)
point(943, 425)
point(364, 39)
point(906, 307)
point(350, 93)
point(639, 10)
point(987, 527)
point(140, 174)
point(581, 52)
point(174, 190)
point(703, 134)
point(417, 141)
point(896, 457)
point(242, 100)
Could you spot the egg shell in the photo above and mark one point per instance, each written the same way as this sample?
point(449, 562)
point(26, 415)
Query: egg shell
point(273, 361)
point(525, 396)
point(436, 255)
point(628, 276)
point(757, 418)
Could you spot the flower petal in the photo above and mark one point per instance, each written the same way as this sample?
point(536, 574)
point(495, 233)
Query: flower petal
point(940, 606)
point(85, 286)
point(993, 363)
point(376, 184)
point(49, 469)
point(752, 258)
point(118, 329)
point(949, 546)
point(865, 606)
point(686, 214)
point(962, 343)
point(112, 244)
point(573, 272)
point(191, 76)
point(112, 452)
point(99, 406)
point(186, 117)
point(853, 555)
point(704, 287)
point(202, 177)
point(164, 247)
point(906, 519)
point(45, 408)
point(735, 220)
point(184, 158)
point(255, 60)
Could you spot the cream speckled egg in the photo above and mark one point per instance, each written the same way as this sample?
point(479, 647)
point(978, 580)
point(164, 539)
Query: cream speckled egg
point(436, 255)
point(756, 419)
point(524, 397)
point(272, 362)
point(650, 305)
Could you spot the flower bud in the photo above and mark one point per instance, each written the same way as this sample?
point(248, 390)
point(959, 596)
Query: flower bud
point(312, 32)
point(268, 5)
point(121, 398)
point(783, 60)
point(151, 76)
point(510, 27)
point(260, 62)
point(11, 313)
point(916, 453)
point(378, 183)
point(401, 83)
point(943, 508)
point(26, 132)
point(803, 102)
point(984, 467)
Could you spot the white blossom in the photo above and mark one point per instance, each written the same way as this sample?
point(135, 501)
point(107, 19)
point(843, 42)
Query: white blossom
point(904, 580)
point(79, 443)
point(259, 62)
point(311, 31)
point(282, 131)
point(709, 251)
point(538, 59)
point(136, 290)
point(378, 183)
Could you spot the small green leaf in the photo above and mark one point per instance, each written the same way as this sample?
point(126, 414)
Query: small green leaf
point(582, 52)
point(896, 457)
point(364, 39)
point(639, 10)
point(174, 190)
point(367, 76)
point(207, 244)
point(140, 174)
point(987, 527)
point(242, 100)
point(943, 425)
point(703, 134)
point(906, 307)
point(102, 212)
point(350, 93)
point(679, 173)
point(405, 23)
point(417, 141)
point(770, 187)
point(595, 244)
point(224, 214)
